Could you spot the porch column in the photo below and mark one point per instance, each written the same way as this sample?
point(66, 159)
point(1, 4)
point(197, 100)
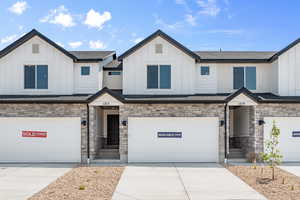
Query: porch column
point(92, 129)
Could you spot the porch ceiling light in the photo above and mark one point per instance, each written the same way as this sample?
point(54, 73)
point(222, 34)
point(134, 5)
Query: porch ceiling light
point(261, 122)
point(222, 122)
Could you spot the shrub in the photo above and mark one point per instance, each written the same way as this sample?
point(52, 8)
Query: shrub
point(81, 187)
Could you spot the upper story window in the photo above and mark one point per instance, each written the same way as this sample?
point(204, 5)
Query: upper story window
point(244, 77)
point(159, 76)
point(204, 70)
point(114, 73)
point(36, 76)
point(158, 48)
point(85, 70)
point(35, 48)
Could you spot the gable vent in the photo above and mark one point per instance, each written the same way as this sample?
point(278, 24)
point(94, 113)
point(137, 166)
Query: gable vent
point(158, 48)
point(35, 48)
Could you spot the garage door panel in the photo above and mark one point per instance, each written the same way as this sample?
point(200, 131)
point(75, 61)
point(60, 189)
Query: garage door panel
point(62, 143)
point(199, 141)
point(288, 145)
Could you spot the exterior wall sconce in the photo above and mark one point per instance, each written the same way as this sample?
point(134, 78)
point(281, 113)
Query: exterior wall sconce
point(261, 122)
point(124, 123)
point(83, 123)
point(222, 122)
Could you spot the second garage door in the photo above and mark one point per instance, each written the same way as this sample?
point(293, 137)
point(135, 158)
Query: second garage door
point(289, 141)
point(40, 139)
point(173, 139)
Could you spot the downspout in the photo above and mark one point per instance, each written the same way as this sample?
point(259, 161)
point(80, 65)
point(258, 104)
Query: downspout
point(225, 134)
point(88, 133)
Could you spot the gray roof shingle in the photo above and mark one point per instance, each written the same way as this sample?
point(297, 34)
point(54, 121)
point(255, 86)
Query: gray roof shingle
point(91, 54)
point(235, 54)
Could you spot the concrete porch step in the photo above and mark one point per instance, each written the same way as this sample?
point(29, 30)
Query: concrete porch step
point(236, 153)
point(108, 154)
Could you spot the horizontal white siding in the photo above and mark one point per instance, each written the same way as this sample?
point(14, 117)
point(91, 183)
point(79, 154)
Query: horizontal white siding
point(112, 81)
point(264, 80)
point(89, 83)
point(206, 83)
point(135, 69)
point(60, 69)
point(289, 72)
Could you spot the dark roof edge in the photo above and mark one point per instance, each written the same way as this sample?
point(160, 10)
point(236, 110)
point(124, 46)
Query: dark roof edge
point(234, 61)
point(291, 45)
point(166, 37)
point(242, 90)
point(103, 91)
point(27, 37)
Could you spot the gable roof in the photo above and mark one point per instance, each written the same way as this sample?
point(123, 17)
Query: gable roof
point(274, 57)
point(27, 37)
point(76, 56)
point(244, 91)
point(105, 90)
point(166, 37)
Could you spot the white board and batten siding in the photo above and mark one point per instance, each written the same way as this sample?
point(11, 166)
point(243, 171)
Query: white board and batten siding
point(289, 141)
point(198, 141)
point(90, 83)
point(183, 69)
point(60, 69)
point(289, 72)
point(61, 144)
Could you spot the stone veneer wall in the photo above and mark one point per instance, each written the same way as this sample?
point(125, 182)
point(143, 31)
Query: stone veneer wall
point(169, 110)
point(271, 110)
point(50, 110)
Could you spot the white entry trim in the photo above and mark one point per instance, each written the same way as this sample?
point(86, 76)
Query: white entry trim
point(242, 100)
point(106, 100)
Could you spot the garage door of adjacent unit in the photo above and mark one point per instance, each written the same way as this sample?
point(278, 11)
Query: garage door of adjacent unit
point(289, 142)
point(40, 139)
point(173, 139)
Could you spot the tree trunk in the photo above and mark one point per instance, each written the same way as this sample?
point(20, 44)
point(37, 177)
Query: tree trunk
point(273, 173)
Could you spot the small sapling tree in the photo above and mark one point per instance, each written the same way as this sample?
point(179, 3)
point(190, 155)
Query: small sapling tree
point(272, 155)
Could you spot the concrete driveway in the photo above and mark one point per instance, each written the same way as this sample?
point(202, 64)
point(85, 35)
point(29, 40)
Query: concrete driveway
point(293, 168)
point(21, 181)
point(181, 182)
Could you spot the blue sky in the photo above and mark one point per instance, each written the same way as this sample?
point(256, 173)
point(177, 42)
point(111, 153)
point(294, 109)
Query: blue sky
point(119, 24)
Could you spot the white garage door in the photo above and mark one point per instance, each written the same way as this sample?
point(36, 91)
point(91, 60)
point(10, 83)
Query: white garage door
point(289, 142)
point(173, 139)
point(40, 139)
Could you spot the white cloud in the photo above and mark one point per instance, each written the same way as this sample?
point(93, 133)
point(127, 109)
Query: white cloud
point(60, 44)
point(61, 16)
point(97, 44)
point(165, 25)
point(75, 45)
point(209, 7)
point(226, 31)
point(20, 27)
point(19, 7)
point(137, 40)
point(96, 20)
point(191, 20)
point(8, 39)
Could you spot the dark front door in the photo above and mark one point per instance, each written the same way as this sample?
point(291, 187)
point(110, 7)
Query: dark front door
point(113, 129)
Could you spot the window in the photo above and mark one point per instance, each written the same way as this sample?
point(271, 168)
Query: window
point(159, 76)
point(158, 48)
point(36, 77)
point(35, 48)
point(85, 71)
point(204, 71)
point(114, 73)
point(244, 77)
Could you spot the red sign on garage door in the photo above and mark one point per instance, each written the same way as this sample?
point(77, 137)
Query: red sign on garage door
point(40, 134)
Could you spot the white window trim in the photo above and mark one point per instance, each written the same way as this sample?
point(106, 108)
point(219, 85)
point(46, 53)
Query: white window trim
point(245, 81)
point(35, 78)
point(158, 79)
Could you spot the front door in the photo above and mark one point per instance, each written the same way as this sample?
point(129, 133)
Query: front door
point(112, 129)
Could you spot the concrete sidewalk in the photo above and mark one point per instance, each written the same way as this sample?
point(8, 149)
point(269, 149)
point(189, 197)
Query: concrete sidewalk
point(21, 181)
point(293, 168)
point(181, 182)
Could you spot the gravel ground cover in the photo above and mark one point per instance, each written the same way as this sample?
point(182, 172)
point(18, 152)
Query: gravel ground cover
point(83, 183)
point(286, 186)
